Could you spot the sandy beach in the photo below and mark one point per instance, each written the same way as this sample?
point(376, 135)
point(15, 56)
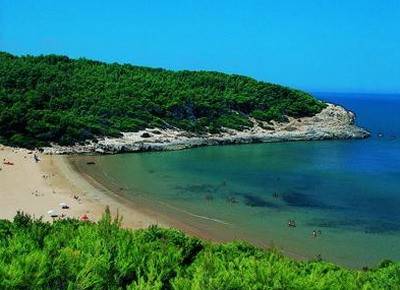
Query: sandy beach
point(38, 187)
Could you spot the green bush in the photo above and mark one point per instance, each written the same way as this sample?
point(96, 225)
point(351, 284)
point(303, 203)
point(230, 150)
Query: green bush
point(69, 254)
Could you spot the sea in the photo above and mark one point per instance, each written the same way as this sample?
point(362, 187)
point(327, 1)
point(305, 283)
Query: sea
point(342, 196)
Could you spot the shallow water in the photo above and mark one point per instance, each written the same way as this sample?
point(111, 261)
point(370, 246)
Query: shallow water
point(347, 191)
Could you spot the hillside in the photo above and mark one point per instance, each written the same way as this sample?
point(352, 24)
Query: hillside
point(54, 98)
point(69, 254)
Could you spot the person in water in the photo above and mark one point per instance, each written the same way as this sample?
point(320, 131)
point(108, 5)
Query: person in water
point(314, 233)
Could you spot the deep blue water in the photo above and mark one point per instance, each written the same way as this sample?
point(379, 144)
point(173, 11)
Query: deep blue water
point(374, 162)
point(349, 190)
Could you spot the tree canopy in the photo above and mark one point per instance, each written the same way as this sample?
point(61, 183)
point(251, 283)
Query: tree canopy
point(54, 98)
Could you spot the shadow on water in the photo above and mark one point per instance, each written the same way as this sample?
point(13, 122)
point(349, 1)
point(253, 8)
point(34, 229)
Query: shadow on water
point(207, 191)
point(256, 201)
point(298, 199)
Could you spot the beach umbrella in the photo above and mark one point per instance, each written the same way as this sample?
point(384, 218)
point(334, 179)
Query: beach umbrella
point(52, 213)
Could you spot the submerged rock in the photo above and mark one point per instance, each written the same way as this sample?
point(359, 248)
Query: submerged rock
point(256, 201)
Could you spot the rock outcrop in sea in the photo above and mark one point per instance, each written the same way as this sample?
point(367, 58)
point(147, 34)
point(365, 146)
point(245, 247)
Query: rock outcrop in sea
point(333, 122)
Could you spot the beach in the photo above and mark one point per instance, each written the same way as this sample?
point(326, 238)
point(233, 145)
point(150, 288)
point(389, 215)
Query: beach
point(38, 187)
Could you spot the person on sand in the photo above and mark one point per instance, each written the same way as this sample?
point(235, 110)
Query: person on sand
point(314, 234)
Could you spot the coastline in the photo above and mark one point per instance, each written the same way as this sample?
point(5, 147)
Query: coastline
point(333, 122)
point(153, 213)
point(38, 187)
point(96, 197)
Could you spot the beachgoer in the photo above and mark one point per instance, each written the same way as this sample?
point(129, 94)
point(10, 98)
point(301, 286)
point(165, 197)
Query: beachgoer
point(314, 234)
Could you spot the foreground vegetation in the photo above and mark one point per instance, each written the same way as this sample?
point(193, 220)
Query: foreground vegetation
point(54, 98)
point(70, 254)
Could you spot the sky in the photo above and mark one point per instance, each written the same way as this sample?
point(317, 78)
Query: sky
point(319, 45)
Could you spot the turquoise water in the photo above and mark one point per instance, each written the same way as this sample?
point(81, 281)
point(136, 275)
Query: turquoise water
point(347, 191)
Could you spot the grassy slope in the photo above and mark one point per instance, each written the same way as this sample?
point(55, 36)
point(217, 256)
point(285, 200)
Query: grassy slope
point(57, 99)
point(70, 254)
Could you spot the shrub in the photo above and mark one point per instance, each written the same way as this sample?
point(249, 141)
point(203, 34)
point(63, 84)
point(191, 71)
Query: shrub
point(69, 254)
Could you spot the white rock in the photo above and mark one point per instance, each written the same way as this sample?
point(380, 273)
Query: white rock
point(333, 122)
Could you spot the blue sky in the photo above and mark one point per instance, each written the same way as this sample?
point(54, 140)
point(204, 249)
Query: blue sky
point(319, 45)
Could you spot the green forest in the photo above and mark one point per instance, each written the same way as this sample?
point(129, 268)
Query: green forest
point(70, 254)
point(57, 99)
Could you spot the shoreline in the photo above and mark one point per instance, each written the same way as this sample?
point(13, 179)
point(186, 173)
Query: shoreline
point(37, 194)
point(66, 179)
point(156, 217)
point(38, 187)
point(203, 227)
point(332, 123)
